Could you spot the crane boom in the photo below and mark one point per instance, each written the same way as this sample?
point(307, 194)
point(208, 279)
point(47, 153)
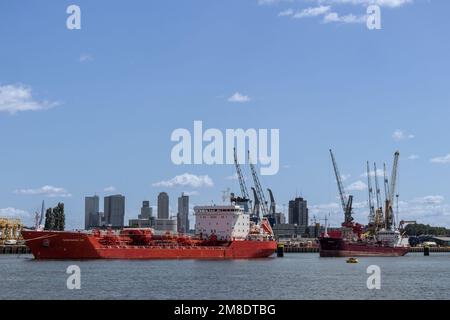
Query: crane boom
point(371, 203)
point(377, 187)
point(258, 188)
point(242, 184)
point(389, 211)
point(346, 201)
point(273, 206)
point(394, 176)
point(342, 194)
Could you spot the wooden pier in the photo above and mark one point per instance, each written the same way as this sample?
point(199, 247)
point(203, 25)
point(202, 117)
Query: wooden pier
point(432, 249)
point(295, 249)
point(291, 249)
point(14, 249)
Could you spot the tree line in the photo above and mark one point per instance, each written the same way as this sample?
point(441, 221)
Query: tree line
point(422, 229)
point(55, 218)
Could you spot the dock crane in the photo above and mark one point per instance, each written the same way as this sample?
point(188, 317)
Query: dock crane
point(244, 199)
point(379, 211)
point(372, 214)
point(346, 200)
point(256, 207)
point(258, 189)
point(371, 200)
point(273, 208)
point(390, 193)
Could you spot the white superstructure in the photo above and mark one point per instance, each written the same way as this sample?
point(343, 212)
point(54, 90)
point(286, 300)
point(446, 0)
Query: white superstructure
point(226, 222)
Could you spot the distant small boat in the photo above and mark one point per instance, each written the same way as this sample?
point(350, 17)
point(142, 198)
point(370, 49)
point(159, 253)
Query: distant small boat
point(352, 260)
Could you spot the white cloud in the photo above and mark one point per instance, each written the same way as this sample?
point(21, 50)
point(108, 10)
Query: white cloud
point(191, 193)
point(13, 213)
point(400, 135)
point(17, 98)
point(186, 179)
point(86, 57)
point(238, 97)
point(357, 186)
point(413, 157)
point(379, 173)
point(381, 3)
point(427, 210)
point(345, 177)
point(232, 177)
point(271, 2)
point(430, 200)
point(312, 12)
point(110, 189)
point(443, 160)
point(349, 18)
point(286, 13)
point(48, 191)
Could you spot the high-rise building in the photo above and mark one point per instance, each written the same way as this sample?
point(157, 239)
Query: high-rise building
point(146, 211)
point(183, 214)
point(163, 206)
point(114, 211)
point(298, 212)
point(91, 211)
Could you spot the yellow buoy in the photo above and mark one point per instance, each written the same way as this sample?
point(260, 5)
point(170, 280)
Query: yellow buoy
point(352, 260)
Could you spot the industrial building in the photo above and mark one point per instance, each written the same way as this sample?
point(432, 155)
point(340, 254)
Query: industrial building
point(145, 219)
point(166, 225)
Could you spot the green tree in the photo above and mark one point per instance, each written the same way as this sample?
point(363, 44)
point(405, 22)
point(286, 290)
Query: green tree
point(61, 217)
point(49, 219)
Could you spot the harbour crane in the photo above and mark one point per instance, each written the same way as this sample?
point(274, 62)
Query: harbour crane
point(245, 198)
point(273, 208)
point(258, 189)
point(389, 211)
point(379, 211)
point(346, 200)
point(256, 207)
point(371, 202)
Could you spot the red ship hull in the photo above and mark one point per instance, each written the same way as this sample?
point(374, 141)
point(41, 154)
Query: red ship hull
point(337, 247)
point(79, 245)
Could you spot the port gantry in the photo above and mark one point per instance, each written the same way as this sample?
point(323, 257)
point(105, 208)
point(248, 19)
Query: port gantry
point(245, 198)
point(379, 218)
point(372, 214)
point(346, 200)
point(390, 192)
point(259, 191)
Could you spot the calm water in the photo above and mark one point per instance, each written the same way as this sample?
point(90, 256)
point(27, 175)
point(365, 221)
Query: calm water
point(296, 276)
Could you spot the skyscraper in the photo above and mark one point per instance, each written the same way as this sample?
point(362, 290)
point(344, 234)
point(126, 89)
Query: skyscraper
point(183, 214)
point(163, 206)
point(115, 210)
point(146, 210)
point(91, 210)
point(298, 212)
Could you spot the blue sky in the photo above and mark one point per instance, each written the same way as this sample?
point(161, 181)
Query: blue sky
point(86, 110)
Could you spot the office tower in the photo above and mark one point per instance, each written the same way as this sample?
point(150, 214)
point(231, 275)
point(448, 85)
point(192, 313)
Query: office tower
point(91, 210)
point(183, 214)
point(163, 206)
point(298, 212)
point(115, 211)
point(146, 211)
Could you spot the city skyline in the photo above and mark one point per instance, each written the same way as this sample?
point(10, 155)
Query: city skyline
point(91, 111)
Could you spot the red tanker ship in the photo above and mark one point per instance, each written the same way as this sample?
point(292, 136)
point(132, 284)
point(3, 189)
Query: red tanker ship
point(222, 232)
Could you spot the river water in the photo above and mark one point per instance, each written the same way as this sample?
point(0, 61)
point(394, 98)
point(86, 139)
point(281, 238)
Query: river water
point(296, 276)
